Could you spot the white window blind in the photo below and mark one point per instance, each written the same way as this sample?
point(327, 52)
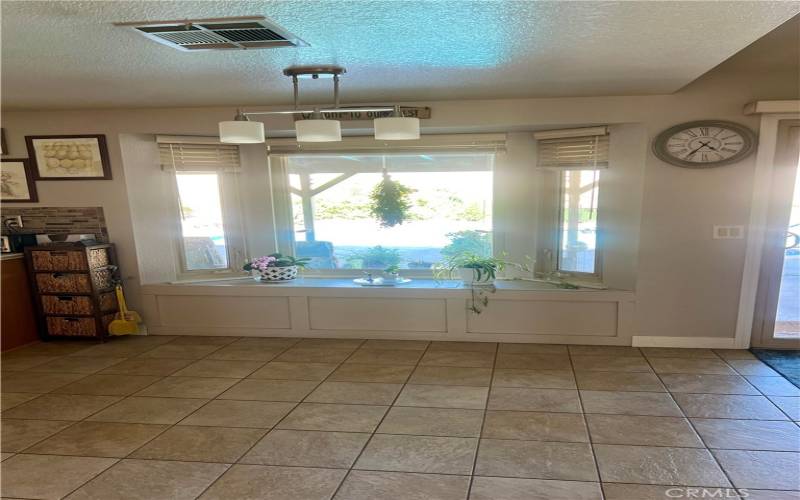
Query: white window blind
point(366, 145)
point(573, 149)
point(192, 155)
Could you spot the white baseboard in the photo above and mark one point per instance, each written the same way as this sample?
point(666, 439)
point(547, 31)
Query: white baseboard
point(688, 342)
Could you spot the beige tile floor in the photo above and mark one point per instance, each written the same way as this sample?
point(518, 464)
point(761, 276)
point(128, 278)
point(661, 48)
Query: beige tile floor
point(240, 418)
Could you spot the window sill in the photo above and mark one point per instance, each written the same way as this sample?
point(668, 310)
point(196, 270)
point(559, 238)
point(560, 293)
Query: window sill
point(347, 283)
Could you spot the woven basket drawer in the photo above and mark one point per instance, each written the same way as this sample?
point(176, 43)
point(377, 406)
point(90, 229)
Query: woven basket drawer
point(103, 279)
point(63, 283)
point(83, 327)
point(60, 304)
point(58, 260)
point(98, 258)
point(108, 301)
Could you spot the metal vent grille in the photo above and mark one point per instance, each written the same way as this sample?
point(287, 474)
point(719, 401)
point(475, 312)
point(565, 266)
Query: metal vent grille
point(217, 34)
point(257, 35)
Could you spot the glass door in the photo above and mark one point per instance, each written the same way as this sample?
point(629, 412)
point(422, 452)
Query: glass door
point(777, 318)
point(787, 320)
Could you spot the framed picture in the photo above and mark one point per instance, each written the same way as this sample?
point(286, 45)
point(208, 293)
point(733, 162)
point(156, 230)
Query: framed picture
point(69, 157)
point(16, 181)
point(3, 147)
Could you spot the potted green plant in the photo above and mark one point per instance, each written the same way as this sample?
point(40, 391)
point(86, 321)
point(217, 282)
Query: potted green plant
point(471, 268)
point(275, 267)
point(476, 271)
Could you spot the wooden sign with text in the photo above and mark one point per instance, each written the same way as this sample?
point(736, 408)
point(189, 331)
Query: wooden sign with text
point(345, 115)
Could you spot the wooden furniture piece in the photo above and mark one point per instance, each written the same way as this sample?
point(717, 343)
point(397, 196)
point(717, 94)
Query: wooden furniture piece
point(73, 288)
point(17, 316)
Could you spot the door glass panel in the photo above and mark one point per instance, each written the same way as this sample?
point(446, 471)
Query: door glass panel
point(787, 322)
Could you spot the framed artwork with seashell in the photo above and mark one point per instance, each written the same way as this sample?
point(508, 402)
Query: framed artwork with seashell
point(69, 157)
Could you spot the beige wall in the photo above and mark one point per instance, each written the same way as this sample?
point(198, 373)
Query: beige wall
point(686, 283)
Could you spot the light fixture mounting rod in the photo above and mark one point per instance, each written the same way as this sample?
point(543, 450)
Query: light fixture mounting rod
point(314, 72)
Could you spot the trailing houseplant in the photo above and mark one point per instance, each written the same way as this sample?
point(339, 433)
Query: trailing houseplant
point(473, 269)
point(390, 202)
point(476, 271)
point(275, 267)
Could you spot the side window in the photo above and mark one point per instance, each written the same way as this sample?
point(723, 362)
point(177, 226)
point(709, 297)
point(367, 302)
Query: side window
point(207, 231)
point(203, 240)
point(578, 250)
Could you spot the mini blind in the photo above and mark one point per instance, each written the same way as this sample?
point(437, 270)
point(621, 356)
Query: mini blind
point(367, 145)
point(195, 156)
point(573, 149)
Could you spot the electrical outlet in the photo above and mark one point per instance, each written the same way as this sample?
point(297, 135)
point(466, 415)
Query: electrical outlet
point(728, 232)
point(14, 221)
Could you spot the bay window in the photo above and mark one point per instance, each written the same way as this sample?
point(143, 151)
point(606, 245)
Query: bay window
point(325, 204)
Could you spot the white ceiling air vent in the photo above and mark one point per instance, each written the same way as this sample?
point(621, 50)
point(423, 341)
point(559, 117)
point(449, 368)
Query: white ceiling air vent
point(225, 33)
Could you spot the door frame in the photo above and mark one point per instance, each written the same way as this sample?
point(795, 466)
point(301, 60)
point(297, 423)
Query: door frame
point(772, 113)
point(780, 203)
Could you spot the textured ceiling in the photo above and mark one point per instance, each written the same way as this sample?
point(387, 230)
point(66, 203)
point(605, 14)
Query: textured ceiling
point(69, 55)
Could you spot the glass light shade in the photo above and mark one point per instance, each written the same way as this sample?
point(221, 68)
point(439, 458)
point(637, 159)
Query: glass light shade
point(318, 130)
point(396, 128)
point(241, 132)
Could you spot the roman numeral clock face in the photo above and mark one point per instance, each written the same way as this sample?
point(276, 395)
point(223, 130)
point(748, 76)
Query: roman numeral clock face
point(704, 144)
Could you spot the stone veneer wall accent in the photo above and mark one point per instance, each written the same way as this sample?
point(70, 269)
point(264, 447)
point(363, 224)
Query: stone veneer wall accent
point(59, 220)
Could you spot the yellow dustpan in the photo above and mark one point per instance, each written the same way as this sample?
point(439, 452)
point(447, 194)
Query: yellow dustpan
point(125, 322)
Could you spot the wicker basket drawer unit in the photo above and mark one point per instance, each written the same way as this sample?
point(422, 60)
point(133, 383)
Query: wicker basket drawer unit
point(73, 286)
point(63, 283)
point(58, 260)
point(67, 304)
point(70, 326)
point(69, 260)
point(77, 304)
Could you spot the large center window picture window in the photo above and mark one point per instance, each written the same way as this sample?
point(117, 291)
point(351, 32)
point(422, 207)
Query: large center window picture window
point(383, 211)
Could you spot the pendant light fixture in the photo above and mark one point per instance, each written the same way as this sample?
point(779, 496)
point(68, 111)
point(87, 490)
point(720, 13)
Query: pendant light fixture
point(318, 128)
point(396, 127)
point(241, 130)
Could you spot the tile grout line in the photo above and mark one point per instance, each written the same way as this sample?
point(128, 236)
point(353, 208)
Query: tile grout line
point(588, 431)
point(267, 431)
point(392, 405)
point(694, 429)
point(483, 422)
point(84, 419)
point(378, 425)
point(452, 474)
point(275, 426)
point(168, 427)
point(175, 424)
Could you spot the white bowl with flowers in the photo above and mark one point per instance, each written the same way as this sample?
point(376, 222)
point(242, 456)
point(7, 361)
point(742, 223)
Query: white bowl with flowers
point(275, 267)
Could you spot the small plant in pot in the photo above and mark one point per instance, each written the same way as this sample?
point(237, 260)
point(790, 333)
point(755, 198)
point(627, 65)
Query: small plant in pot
point(473, 269)
point(477, 272)
point(275, 267)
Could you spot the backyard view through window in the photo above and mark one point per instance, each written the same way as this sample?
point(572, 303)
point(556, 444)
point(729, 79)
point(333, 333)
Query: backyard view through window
point(202, 231)
point(448, 209)
point(578, 221)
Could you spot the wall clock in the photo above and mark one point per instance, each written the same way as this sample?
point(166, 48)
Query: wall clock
point(704, 144)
